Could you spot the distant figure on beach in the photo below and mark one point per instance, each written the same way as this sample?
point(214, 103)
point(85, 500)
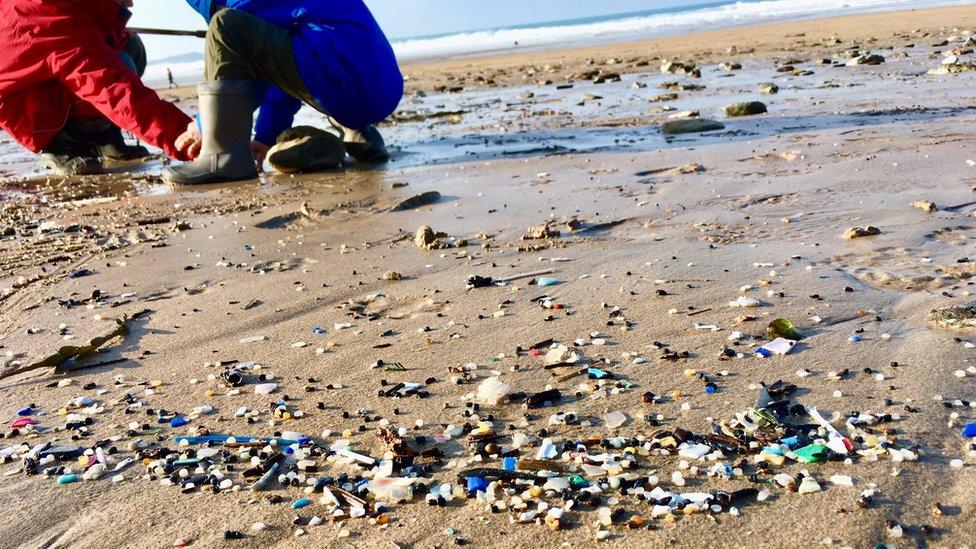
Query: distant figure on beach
point(169, 76)
point(280, 54)
point(69, 90)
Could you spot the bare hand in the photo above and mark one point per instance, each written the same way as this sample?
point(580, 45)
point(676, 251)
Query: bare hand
point(259, 151)
point(190, 141)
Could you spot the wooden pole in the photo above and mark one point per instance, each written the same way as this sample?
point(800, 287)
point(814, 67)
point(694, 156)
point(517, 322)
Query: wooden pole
point(169, 32)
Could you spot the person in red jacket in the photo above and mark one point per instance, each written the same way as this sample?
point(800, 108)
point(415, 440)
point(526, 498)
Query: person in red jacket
point(68, 82)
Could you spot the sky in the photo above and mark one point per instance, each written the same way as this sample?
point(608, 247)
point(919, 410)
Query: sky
point(404, 18)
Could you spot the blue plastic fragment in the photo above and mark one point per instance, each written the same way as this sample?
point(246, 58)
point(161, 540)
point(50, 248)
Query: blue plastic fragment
point(67, 479)
point(178, 422)
point(318, 331)
point(299, 503)
point(711, 389)
point(477, 484)
point(969, 431)
point(546, 281)
point(239, 439)
point(596, 373)
point(790, 442)
point(508, 463)
point(25, 411)
point(854, 338)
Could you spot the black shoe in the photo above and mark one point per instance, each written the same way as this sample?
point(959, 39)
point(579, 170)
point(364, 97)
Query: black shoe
point(305, 149)
point(105, 137)
point(112, 145)
point(65, 165)
point(365, 145)
point(124, 152)
point(67, 156)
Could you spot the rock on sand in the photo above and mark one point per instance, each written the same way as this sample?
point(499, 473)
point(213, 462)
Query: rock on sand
point(860, 232)
point(748, 108)
point(690, 125)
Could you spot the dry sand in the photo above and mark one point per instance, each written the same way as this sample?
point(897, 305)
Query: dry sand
point(841, 147)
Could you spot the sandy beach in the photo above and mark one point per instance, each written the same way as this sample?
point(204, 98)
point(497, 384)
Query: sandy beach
point(670, 255)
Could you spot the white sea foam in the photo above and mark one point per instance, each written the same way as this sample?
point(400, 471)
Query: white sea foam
point(678, 22)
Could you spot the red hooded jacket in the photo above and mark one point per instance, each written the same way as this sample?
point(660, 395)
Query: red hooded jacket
point(60, 60)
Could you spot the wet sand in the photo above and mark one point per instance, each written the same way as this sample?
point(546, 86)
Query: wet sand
point(761, 214)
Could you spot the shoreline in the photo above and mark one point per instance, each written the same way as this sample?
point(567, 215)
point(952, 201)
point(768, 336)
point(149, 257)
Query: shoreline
point(705, 47)
point(638, 38)
point(753, 40)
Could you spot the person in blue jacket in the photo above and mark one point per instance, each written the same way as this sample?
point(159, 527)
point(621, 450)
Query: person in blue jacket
point(275, 55)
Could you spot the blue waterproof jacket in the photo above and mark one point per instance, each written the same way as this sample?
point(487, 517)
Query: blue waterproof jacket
point(343, 57)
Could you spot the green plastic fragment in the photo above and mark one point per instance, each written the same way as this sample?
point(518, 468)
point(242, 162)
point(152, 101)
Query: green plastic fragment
point(811, 453)
point(577, 482)
point(783, 327)
point(767, 415)
point(146, 433)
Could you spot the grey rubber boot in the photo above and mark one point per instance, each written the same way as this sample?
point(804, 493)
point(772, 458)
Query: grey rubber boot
point(226, 113)
point(365, 145)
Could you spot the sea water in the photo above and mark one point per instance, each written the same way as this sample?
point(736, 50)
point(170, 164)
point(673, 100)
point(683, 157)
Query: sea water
point(644, 24)
point(698, 16)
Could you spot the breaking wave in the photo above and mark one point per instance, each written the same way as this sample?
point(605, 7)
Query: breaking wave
point(644, 24)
